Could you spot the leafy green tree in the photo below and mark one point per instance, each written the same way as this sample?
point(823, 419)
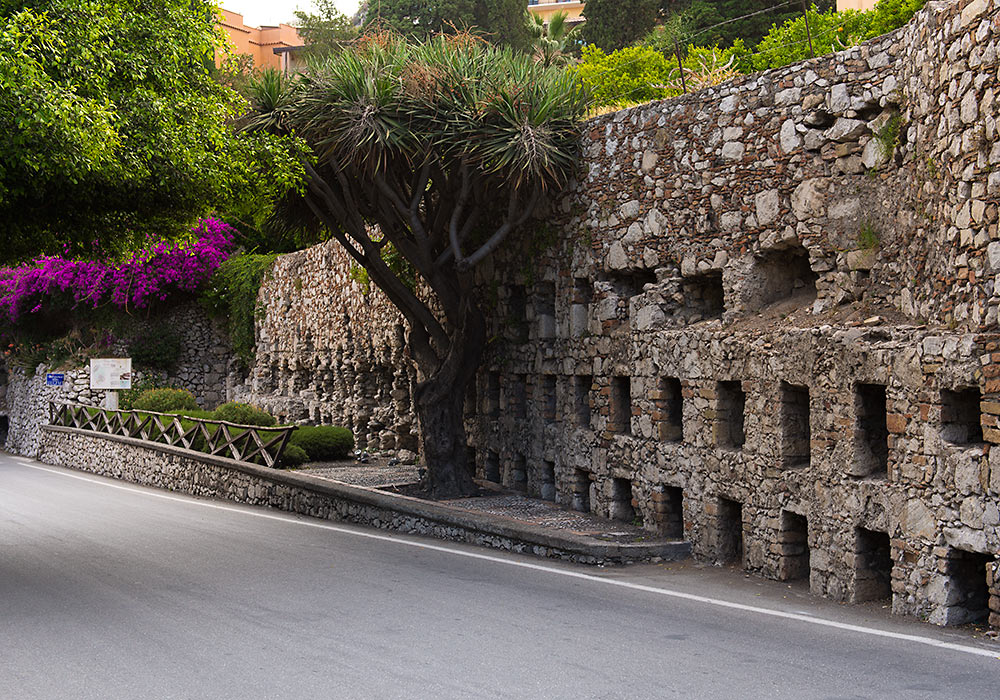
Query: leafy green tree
point(113, 126)
point(726, 21)
point(437, 152)
point(325, 30)
point(550, 41)
point(614, 24)
point(499, 21)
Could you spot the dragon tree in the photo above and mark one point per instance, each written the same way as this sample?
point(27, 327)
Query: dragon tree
point(432, 155)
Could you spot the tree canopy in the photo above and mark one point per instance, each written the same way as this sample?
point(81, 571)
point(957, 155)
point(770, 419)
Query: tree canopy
point(498, 21)
point(326, 29)
point(613, 24)
point(112, 125)
point(427, 158)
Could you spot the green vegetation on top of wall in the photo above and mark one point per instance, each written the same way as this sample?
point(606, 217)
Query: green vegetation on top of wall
point(649, 70)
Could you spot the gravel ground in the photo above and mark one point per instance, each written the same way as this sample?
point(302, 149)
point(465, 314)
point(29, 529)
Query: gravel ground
point(547, 514)
point(376, 473)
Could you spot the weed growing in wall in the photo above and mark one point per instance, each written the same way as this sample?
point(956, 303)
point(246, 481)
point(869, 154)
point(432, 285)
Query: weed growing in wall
point(868, 237)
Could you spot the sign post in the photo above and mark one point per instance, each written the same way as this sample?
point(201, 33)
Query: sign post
point(111, 375)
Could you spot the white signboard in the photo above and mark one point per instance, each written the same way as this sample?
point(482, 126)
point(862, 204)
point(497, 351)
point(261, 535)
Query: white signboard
point(111, 373)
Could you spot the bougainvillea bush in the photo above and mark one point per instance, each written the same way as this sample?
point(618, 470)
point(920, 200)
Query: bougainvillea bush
point(55, 284)
point(52, 296)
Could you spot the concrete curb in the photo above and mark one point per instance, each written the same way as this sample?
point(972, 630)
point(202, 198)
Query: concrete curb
point(586, 548)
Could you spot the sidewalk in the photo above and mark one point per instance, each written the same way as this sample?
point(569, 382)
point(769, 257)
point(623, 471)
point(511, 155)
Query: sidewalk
point(533, 520)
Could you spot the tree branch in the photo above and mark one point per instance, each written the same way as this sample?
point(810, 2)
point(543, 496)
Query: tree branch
point(463, 197)
point(511, 223)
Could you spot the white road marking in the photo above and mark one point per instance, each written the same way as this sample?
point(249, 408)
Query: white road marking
point(800, 617)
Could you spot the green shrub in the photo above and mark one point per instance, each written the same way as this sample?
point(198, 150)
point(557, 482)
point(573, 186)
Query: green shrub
point(324, 442)
point(629, 75)
point(158, 348)
point(128, 397)
point(292, 456)
point(830, 31)
point(244, 414)
point(163, 400)
point(643, 73)
point(194, 413)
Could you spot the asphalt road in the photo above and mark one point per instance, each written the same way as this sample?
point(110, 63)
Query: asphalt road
point(109, 590)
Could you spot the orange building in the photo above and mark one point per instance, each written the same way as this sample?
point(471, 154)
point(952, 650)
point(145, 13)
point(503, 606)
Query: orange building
point(855, 5)
point(270, 47)
point(546, 8)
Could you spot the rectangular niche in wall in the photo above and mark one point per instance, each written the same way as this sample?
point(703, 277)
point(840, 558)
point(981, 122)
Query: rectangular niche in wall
point(630, 283)
point(547, 481)
point(493, 394)
point(579, 310)
point(794, 416)
point(668, 503)
point(961, 421)
point(781, 274)
point(517, 314)
point(670, 410)
point(581, 399)
point(620, 414)
point(871, 434)
point(546, 397)
point(729, 412)
point(967, 580)
point(872, 565)
point(491, 467)
point(729, 532)
point(518, 473)
point(704, 294)
point(581, 490)
point(620, 504)
point(793, 541)
point(545, 310)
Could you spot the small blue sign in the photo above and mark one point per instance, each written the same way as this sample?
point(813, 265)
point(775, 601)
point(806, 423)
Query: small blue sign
point(54, 379)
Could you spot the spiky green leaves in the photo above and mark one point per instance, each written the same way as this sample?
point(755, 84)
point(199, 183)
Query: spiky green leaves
point(388, 103)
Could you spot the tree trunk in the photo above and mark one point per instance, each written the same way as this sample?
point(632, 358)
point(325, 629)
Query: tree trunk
point(439, 401)
point(442, 434)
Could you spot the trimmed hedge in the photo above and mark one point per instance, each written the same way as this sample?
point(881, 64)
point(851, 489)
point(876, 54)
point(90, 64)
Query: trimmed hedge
point(324, 442)
point(165, 400)
point(244, 414)
point(292, 456)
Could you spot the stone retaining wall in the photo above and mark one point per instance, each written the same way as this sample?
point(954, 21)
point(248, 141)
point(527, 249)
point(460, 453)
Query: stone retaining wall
point(330, 349)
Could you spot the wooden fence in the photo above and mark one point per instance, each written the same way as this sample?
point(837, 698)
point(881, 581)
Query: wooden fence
point(244, 443)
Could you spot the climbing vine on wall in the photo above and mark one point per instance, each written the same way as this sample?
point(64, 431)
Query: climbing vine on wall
point(232, 295)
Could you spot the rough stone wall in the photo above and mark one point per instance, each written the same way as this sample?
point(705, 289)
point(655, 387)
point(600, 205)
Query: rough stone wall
point(206, 362)
point(203, 368)
point(331, 350)
point(768, 322)
point(763, 257)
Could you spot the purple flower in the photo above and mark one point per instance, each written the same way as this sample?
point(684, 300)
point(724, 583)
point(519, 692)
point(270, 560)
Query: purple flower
point(155, 274)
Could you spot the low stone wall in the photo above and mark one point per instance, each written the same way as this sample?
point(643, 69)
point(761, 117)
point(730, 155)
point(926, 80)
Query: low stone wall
point(177, 469)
